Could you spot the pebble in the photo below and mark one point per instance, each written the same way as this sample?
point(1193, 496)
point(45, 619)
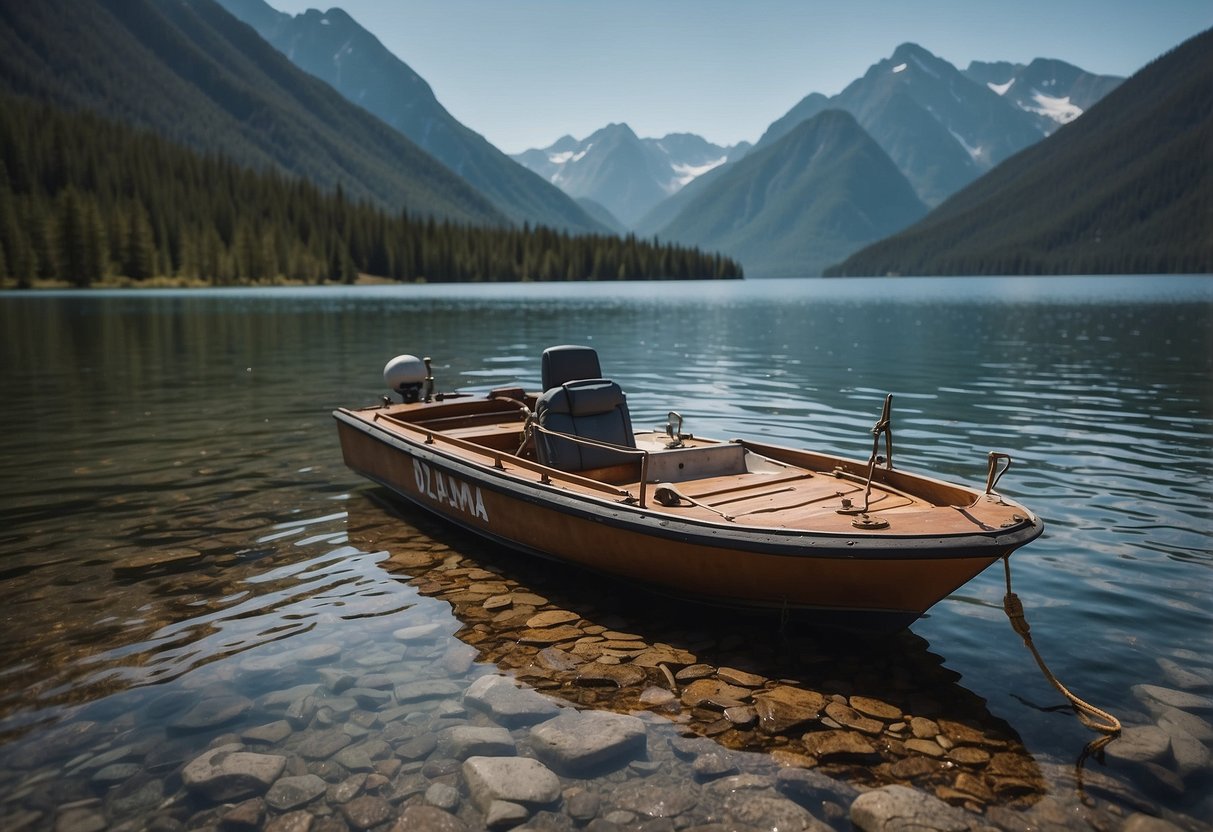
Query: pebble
point(463, 741)
point(366, 812)
point(504, 814)
point(294, 792)
point(826, 745)
point(784, 708)
point(1140, 744)
point(443, 795)
point(418, 817)
point(1156, 695)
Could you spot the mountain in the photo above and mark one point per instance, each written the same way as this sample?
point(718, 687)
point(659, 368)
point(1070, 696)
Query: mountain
point(1055, 91)
point(793, 207)
point(1127, 188)
point(623, 172)
point(332, 46)
point(944, 128)
point(192, 73)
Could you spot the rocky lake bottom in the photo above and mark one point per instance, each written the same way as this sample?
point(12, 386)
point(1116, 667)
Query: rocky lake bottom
point(428, 689)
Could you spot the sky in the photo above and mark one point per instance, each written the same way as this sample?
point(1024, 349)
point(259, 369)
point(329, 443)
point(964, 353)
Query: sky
point(523, 73)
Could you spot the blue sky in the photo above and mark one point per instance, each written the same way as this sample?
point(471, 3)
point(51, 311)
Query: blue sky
point(524, 73)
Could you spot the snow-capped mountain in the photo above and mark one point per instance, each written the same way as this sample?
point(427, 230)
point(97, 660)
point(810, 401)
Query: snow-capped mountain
point(1054, 90)
point(623, 172)
point(943, 127)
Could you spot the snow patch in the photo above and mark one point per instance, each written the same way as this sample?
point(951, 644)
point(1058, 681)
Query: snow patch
point(568, 156)
point(1059, 110)
point(324, 21)
point(685, 173)
point(1001, 89)
point(977, 154)
point(900, 68)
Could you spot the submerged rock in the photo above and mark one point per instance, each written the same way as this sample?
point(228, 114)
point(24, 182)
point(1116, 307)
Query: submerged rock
point(512, 779)
point(507, 703)
point(902, 809)
point(582, 740)
point(227, 773)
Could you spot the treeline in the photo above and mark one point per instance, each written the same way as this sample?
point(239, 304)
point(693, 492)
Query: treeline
point(84, 199)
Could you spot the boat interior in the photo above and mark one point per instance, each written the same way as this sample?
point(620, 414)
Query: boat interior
point(578, 434)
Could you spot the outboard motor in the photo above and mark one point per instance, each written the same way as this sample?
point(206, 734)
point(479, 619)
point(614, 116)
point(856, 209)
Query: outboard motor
point(406, 375)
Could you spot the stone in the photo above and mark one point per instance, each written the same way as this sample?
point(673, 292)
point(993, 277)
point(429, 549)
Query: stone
point(212, 713)
point(742, 716)
point(463, 741)
point(417, 748)
point(248, 815)
point(115, 773)
point(427, 689)
point(583, 740)
point(617, 675)
point(693, 672)
point(655, 697)
point(1190, 754)
point(507, 703)
point(765, 812)
point(354, 759)
point(294, 792)
point(1155, 695)
point(80, 819)
point(875, 708)
point(513, 779)
point(712, 765)
point(848, 717)
point(1139, 822)
point(1183, 677)
point(502, 814)
point(829, 745)
point(1140, 743)
point(418, 632)
point(653, 799)
point(923, 728)
point(367, 811)
point(442, 795)
point(551, 618)
point(713, 693)
point(298, 821)
point(549, 635)
point(968, 755)
point(271, 733)
point(909, 768)
point(927, 747)
point(1189, 723)
point(555, 659)
point(582, 806)
point(902, 809)
point(784, 707)
point(320, 745)
point(226, 773)
point(418, 817)
point(733, 676)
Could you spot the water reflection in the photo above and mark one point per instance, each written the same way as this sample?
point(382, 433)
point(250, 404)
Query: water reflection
point(179, 531)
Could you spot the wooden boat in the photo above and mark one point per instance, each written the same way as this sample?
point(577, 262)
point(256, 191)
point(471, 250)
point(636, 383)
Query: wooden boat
point(561, 474)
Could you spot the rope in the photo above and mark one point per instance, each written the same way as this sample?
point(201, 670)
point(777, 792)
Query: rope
point(1092, 717)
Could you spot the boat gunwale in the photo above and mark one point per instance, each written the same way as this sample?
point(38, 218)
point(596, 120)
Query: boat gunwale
point(797, 543)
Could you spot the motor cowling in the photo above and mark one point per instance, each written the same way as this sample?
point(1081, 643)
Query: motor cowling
point(406, 375)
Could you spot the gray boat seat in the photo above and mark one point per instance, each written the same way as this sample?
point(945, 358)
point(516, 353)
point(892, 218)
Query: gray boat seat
point(589, 408)
point(569, 363)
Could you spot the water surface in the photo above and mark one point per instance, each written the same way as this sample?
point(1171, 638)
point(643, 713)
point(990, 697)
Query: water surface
point(178, 525)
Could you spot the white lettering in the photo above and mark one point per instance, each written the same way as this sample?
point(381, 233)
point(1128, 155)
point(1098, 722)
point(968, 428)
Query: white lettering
point(459, 495)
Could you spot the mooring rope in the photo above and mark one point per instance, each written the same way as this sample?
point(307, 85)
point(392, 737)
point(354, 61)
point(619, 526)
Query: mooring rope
point(1092, 717)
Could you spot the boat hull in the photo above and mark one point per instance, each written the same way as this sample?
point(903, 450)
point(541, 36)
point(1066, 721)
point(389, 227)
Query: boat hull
point(854, 580)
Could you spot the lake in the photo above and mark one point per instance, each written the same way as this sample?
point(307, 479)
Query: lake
point(186, 565)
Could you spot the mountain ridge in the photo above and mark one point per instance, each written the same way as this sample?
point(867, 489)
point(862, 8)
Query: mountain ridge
point(1129, 188)
point(335, 48)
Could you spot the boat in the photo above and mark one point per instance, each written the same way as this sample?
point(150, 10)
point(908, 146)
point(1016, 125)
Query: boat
point(561, 474)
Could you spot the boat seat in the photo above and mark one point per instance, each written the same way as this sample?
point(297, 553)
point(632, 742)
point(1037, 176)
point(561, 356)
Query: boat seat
point(569, 363)
point(591, 409)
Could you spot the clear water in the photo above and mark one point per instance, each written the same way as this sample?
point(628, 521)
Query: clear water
point(176, 513)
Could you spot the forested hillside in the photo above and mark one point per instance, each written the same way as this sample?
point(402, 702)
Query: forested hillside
point(83, 198)
point(1126, 189)
point(192, 73)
